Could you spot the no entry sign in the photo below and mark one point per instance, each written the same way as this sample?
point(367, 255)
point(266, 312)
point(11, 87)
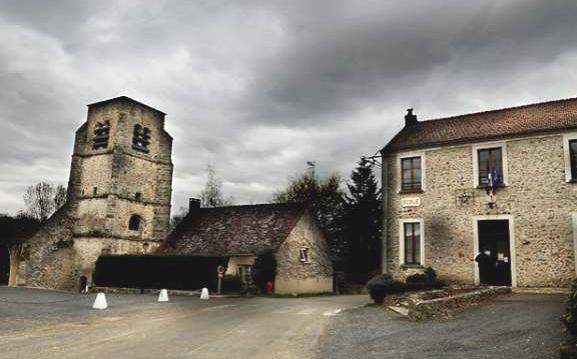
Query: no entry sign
point(220, 270)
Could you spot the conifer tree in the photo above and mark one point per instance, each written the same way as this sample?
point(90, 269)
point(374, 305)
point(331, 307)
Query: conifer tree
point(363, 223)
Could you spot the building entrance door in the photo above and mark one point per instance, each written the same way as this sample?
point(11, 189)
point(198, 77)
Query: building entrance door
point(4, 265)
point(495, 266)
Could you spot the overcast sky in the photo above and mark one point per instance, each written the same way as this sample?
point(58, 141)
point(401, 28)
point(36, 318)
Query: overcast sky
point(257, 88)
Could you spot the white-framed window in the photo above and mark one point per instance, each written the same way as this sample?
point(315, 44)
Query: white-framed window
point(411, 176)
point(490, 159)
point(304, 255)
point(570, 155)
point(411, 242)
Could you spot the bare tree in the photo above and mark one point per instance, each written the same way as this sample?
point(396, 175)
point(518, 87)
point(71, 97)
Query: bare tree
point(43, 199)
point(60, 197)
point(211, 195)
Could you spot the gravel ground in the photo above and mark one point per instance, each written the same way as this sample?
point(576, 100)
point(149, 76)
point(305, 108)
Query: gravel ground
point(513, 326)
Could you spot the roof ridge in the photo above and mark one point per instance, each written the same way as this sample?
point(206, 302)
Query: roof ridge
point(291, 204)
point(501, 109)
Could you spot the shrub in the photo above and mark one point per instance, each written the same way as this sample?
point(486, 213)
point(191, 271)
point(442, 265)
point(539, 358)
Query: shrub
point(231, 284)
point(569, 319)
point(431, 274)
point(381, 285)
point(419, 278)
point(264, 269)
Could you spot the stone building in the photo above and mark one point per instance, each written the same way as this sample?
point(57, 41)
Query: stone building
point(119, 195)
point(501, 183)
point(241, 232)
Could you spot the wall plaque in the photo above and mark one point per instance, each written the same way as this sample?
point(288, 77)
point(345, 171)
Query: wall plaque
point(411, 202)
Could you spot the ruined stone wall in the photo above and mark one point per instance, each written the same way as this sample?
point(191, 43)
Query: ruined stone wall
point(294, 276)
point(537, 198)
point(48, 259)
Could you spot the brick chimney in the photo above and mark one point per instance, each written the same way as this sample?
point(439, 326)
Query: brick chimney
point(193, 206)
point(410, 118)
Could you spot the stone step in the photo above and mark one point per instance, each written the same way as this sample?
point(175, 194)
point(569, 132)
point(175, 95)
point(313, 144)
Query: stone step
point(402, 311)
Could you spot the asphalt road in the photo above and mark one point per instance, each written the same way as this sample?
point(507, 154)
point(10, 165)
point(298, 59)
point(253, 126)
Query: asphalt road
point(513, 326)
point(46, 324)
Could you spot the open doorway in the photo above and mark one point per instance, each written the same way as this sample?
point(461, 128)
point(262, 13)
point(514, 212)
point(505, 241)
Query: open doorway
point(494, 245)
point(4, 265)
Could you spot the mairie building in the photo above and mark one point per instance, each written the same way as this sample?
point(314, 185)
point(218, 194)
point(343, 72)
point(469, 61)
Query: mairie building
point(502, 183)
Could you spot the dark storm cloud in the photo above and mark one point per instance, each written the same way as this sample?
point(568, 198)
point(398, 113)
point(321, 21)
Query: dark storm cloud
point(259, 87)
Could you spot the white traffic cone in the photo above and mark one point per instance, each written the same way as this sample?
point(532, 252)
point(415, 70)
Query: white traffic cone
point(163, 296)
point(100, 302)
point(204, 294)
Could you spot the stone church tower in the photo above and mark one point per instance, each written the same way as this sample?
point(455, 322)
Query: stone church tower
point(119, 196)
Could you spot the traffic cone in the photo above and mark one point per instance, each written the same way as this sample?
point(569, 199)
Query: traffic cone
point(163, 296)
point(204, 294)
point(100, 302)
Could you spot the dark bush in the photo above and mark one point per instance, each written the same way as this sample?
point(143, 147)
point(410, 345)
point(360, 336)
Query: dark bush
point(381, 285)
point(231, 284)
point(158, 271)
point(431, 274)
point(264, 269)
point(419, 278)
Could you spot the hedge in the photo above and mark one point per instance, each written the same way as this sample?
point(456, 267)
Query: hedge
point(158, 271)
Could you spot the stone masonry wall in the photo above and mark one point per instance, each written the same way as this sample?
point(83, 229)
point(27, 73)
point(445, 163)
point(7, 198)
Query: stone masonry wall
point(293, 276)
point(537, 198)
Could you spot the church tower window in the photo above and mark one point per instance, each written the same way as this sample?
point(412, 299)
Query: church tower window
point(134, 222)
point(141, 138)
point(101, 135)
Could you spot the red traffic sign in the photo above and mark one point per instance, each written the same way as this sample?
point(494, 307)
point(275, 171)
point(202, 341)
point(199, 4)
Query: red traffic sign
point(220, 270)
point(221, 275)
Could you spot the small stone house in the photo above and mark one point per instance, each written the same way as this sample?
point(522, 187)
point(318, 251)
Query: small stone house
point(241, 232)
point(502, 183)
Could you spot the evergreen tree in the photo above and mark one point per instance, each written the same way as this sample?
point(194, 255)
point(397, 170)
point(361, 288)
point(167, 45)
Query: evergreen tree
point(326, 200)
point(363, 223)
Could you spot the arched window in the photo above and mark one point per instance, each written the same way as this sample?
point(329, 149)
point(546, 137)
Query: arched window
point(134, 222)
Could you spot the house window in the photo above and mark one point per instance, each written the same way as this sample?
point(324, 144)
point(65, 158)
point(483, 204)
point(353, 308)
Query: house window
point(134, 222)
point(138, 196)
point(411, 174)
point(412, 243)
point(573, 158)
point(490, 161)
point(101, 134)
point(304, 255)
point(141, 138)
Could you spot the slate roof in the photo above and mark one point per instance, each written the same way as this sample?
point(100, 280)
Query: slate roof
point(513, 121)
point(234, 230)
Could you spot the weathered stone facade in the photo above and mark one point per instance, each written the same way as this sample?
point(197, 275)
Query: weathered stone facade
point(313, 276)
point(537, 200)
point(107, 186)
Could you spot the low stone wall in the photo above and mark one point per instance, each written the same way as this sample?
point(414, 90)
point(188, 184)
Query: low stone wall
point(142, 291)
point(444, 307)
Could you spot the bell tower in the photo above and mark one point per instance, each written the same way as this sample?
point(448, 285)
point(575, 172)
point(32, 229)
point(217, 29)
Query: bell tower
point(120, 181)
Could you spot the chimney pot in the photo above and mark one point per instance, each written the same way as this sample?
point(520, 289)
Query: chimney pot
point(410, 118)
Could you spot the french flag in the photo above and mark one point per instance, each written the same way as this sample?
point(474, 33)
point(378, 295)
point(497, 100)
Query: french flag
point(492, 185)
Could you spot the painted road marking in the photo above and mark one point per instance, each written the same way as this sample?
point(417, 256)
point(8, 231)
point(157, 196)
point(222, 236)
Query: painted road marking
point(306, 312)
point(331, 313)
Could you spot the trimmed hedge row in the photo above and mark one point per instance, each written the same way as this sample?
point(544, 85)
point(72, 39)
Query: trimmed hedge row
point(158, 271)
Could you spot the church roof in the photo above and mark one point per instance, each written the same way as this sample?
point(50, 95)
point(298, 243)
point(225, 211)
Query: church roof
point(234, 230)
point(495, 124)
point(124, 99)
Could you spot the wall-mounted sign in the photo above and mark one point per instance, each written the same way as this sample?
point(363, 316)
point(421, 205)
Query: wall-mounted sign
point(411, 202)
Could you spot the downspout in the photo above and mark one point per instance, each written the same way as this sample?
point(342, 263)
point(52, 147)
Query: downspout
point(385, 205)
